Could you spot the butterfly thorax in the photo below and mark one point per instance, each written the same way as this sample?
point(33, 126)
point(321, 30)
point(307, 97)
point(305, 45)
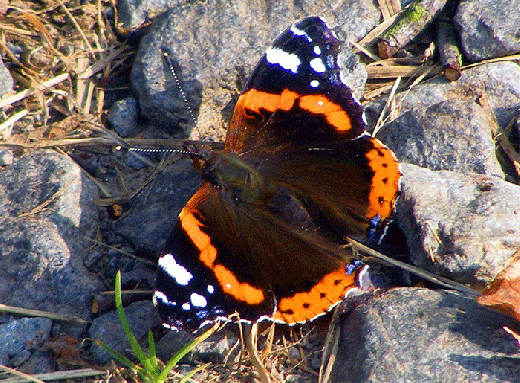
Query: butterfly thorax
point(227, 172)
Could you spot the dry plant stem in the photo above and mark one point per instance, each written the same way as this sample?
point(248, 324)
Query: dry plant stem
point(389, 8)
point(24, 377)
point(40, 313)
point(7, 125)
point(391, 71)
point(381, 119)
point(330, 348)
point(381, 258)
point(499, 134)
point(76, 25)
point(376, 32)
point(250, 337)
point(60, 375)
point(8, 100)
point(412, 21)
point(450, 56)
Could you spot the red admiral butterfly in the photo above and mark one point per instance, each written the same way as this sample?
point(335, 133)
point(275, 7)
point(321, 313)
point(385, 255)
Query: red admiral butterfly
point(298, 174)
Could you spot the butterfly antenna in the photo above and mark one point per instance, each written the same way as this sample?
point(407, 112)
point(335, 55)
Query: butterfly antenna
point(168, 59)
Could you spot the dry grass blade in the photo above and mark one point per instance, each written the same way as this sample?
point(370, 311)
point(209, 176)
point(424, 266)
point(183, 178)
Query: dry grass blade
point(513, 334)
point(43, 205)
point(330, 348)
point(59, 375)
point(250, 342)
point(39, 313)
point(9, 100)
point(381, 120)
point(76, 25)
point(43, 30)
point(101, 64)
point(23, 377)
point(7, 125)
point(499, 134)
point(377, 31)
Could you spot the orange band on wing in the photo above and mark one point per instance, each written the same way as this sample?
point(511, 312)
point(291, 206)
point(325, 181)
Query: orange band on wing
point(385, 184)
point(208, 254)
point(256, 101)
point(305, 306)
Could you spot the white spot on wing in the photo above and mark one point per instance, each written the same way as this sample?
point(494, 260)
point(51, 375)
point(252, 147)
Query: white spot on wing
point(317, 50)
point(211, 289)
point(286, 60)
point(160, 297)
point(318, 65)
point(315, 83)
point(176, 271)
point(198, 300)
point(299, 32)
point(186, 306)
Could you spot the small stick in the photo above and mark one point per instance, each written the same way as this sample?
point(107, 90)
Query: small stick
point(5, 101)
point(451, 58)
point(412, 21)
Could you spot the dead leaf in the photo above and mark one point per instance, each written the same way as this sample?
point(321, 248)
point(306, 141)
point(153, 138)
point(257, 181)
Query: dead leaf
point(503, 294)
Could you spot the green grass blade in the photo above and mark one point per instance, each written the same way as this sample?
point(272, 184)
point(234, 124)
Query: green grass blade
point(119, 357)
point(138, 352)
point(183, 351)
point(151, 351)
point(189, 374)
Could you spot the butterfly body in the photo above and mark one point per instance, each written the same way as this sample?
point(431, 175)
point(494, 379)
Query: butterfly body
point(298, 175)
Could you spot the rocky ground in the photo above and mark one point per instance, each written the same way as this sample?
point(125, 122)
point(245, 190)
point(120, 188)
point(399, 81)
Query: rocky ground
point(60, 246)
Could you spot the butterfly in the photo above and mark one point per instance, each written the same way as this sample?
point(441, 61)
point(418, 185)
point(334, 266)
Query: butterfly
point(263, 237)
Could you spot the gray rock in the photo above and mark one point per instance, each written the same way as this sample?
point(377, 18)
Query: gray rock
point(40, 362)
point(171, 343)
point(215, 46)
point(216, 349)
point(438, 136)
point(418, 335)
point(437, 121)
point(6, 157)
point(156, 208)
point(123, 116)
point(19, 337)
point(465, 226)
point(141, 317)
point(488, 28)
point(6, 81)
point(132, 14)
point(498, 80)
point(41, 262)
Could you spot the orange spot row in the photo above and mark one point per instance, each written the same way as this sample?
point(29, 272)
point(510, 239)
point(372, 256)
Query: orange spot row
point(305, 306)
point(385, 184)
point(316, 104)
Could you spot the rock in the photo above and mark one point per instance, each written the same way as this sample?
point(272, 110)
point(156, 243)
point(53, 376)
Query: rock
point(438, 136)
point(20, 337)
point(6, 81)
point(133, 14)
point(499, 81)
point(171, 343)
point(123, 116)
point(488, 28)
point(41, 262)
point(141, 317)
point(465, 226)
point(216, 349)
point(6, 157)
point(437, 121)
point(420, 335)
point(155, 210)
point(215, 46)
